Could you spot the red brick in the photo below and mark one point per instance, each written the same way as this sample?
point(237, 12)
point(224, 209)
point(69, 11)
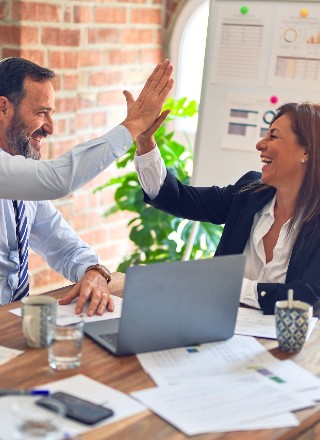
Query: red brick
point(56, 82)
point(67, 17)
point(64, 105)
point(83, 120)
point(146, 16)
point(63, 60)
point(112, 97)
point(110, 15)
point(99, 119)
point(86, 100)
point(37, 56)
point(103, 35)
point(82, 14)
point(153, 56)
point(159, 37)
point(86, 220)
point(113, 254)
point(41, 11)
point(95, 236)
point(107, 194)
point(45, 277)
point(49, 287)
point(61, 37)
point(136, 77)
point(60, 127)
point(60, 147)
point(93, 200)
point(137, 36)
point(117, 231)
point(103, 79)
point(90, 58)
point(29, 35)
point(66, 209)
point(9, 34)
point(70, 81)
point(2, 9)
point(35, 261)
point(124, 56)
point(80, 202)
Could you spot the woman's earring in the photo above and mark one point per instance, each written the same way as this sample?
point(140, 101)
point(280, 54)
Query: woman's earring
point(303, 161)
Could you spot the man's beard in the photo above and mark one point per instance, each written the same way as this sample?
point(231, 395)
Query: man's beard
point(18, 140)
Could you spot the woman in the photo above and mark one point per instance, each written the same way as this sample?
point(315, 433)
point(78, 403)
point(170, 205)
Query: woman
point(272, 217)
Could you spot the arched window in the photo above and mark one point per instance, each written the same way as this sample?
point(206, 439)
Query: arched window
point(186, 50)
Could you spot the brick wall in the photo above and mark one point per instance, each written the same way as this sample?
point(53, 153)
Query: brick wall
point(98, 48)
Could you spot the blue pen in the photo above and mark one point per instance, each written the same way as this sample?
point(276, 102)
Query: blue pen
point(5, 392)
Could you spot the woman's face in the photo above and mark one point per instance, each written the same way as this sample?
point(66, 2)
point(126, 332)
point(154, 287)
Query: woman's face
point(284, 160)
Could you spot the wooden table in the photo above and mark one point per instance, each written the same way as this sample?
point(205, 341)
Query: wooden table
point(125, 374)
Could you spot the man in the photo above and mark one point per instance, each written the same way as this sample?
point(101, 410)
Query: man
point(56, 178)
point(26, 110)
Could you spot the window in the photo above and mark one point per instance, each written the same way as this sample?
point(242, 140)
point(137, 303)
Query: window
point(187, 49)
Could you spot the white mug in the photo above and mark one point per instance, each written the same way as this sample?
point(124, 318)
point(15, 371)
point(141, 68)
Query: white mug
point(35, 312)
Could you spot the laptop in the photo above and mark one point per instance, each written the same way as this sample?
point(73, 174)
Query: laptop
point(174, 304)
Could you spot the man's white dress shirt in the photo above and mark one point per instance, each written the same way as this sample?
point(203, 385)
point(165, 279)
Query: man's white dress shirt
point(28, 179)
point(49, 234)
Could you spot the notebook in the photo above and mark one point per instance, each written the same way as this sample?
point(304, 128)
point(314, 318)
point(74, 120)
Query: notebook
point(174, 304)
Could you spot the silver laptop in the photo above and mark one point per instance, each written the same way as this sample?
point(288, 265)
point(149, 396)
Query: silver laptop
point(174, 304)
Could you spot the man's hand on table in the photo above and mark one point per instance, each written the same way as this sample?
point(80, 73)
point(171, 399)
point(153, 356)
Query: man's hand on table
point(94, 287)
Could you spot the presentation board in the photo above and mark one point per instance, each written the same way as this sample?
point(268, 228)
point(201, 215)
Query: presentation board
point(259, 54)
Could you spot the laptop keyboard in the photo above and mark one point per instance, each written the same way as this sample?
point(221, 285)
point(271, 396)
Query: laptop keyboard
point(111, 338)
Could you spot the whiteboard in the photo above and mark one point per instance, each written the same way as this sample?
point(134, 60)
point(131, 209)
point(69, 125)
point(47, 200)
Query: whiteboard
point(256, 59)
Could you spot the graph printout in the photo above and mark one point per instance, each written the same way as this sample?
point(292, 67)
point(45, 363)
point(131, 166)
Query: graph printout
point(240, 44)
point(295, 59)
point(247, 120)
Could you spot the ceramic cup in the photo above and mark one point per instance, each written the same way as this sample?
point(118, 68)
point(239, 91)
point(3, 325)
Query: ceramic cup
point(292, 324)
point(35, 313)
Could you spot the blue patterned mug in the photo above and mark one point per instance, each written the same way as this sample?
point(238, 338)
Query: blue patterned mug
point(292, 324)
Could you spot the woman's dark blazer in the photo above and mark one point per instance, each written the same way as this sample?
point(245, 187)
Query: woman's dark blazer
point(235, 208)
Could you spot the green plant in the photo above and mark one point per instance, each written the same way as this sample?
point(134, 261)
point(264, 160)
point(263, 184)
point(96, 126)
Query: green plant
point(158, 236)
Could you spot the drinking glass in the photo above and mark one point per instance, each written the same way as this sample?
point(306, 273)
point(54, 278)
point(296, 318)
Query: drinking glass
point(64, 344)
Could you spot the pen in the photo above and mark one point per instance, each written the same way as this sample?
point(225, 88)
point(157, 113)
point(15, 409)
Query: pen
point(5, 392)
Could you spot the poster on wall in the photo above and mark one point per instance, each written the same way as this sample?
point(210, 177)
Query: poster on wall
point(240, 43)
point(247, 119)
point(295, 57)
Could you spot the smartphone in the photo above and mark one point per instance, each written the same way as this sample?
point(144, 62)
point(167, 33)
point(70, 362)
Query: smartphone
point(76, 408)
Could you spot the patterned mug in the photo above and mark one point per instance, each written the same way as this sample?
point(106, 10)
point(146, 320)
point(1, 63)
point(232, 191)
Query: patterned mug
point(292, 324)
point(35, 312)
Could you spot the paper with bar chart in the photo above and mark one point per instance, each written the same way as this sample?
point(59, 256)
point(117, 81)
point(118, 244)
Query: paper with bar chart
point(247, 118)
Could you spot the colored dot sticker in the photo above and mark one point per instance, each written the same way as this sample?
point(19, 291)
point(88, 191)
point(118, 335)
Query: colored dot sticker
point(244, 10)
point(274, 99)
point(304, 12)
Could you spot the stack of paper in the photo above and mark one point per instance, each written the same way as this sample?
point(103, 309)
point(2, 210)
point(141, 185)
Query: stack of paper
point(253, 322)
point(226, 386)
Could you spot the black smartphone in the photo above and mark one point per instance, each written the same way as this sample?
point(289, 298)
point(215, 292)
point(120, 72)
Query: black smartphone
point(76, 408)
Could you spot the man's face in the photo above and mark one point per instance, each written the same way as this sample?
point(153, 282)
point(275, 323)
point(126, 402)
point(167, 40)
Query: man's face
point(31, 121)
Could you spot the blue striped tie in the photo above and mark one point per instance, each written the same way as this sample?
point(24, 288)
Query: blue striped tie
point(22, 238)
